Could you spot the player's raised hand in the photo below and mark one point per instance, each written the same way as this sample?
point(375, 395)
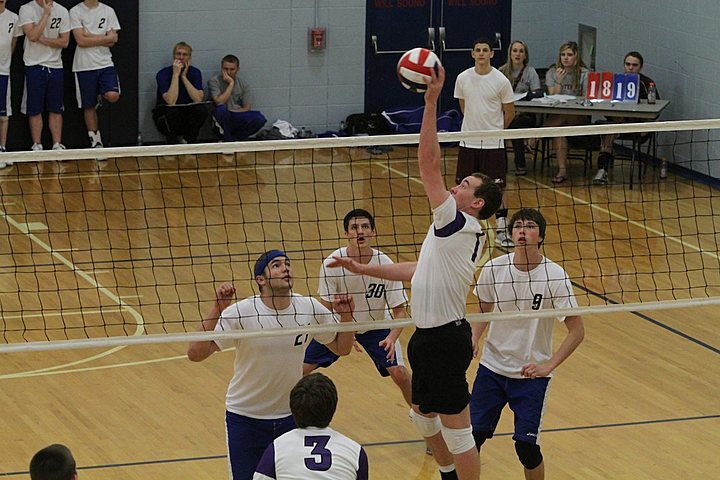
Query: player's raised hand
point(435, 84)
point(345, 262)
point(344, 304)
point(224, 295)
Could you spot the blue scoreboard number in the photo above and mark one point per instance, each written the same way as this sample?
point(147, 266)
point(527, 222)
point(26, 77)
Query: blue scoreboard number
point(632, 87)
point(618, 87)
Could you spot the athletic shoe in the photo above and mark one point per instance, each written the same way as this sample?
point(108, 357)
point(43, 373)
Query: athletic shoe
point(601, 177)
point(502, 239)
point(36, 147)
point(4, 164)
point(58, 146)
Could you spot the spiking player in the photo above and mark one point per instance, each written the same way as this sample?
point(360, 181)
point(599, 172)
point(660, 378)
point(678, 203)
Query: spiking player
point(440, 350)
point(266, 368)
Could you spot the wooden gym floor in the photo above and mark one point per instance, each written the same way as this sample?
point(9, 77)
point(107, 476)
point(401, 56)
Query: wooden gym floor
point(638, 400)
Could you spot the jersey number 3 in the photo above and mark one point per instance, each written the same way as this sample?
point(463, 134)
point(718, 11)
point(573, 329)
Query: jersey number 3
point(322, 457)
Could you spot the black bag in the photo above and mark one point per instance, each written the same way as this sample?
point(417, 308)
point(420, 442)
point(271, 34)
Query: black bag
point(366, 124)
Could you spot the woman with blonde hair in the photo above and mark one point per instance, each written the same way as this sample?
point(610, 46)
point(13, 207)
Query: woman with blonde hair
point(567, 77)
point(524, 79)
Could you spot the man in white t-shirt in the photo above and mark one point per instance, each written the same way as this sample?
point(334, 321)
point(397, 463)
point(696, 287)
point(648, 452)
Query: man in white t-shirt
point(313, 451)
point(486, 100)
point(94, 26)
point(46, 25)
point(373, 298)
point(517, 360)
point(440, 350)
point(9, 31)
point(266, 368)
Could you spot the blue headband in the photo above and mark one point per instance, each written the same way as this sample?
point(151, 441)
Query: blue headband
point(265, 259)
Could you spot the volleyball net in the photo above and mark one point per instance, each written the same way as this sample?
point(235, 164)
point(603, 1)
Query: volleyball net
point(131, 249)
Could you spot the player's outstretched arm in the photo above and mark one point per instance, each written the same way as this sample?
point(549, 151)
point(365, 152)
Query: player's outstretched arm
point(199, 351)
point(401, 272)
point(429, 154)
point(344, 305)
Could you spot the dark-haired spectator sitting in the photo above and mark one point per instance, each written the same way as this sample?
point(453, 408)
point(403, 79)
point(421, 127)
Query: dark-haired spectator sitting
point(233, 110)
point(313, 450)
point(633, 63)
point(54, 462)
point(180, 113)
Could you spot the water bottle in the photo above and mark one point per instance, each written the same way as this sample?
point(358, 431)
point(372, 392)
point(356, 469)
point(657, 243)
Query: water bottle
point(652, 93)
point(342, 126)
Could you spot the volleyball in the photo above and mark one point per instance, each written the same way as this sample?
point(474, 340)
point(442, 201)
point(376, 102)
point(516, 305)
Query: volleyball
point(414, 67)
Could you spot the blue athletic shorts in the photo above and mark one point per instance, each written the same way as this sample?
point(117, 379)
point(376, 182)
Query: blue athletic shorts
point(247, 439)
point(5, 109)
point(319, 354)
point(526, 397)
point(44, 90)
point(90, 83)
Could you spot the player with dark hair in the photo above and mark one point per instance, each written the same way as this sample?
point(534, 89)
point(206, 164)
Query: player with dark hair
point(54, 462)
point(517, 360)
point(313, 451)
point(373, 298)
point(266, 368)
point(440, 350)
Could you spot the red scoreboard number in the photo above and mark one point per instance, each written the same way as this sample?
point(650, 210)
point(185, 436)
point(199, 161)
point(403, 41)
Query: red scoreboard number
point(618, 87)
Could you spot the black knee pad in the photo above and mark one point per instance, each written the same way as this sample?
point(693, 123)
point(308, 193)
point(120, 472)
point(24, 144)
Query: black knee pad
point(529, 454)
point(480, 438)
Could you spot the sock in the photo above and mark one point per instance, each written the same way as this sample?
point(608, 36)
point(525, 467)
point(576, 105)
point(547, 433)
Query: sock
point(448, 472)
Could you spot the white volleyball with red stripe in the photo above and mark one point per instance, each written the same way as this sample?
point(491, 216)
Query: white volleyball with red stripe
point(414, 67)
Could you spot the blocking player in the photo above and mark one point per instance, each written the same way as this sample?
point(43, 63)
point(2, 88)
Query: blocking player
point(9, 31)
point(266, 368)
point(313, 450)
point(95, 28)
point(46, 25)
point(517, 360)
point(440, 350)
point(373, 298)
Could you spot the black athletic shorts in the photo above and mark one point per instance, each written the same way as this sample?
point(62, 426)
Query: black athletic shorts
point(492, 162)
point(439, 358)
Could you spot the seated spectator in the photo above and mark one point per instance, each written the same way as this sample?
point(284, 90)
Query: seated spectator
point(524, 79)
point(567, 77)
point(233, 110)
point(180, 113)
point(633, 63)
point(53, 463)
point(313, 450)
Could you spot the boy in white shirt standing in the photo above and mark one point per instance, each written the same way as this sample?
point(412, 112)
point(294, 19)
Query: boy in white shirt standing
point(9, 31)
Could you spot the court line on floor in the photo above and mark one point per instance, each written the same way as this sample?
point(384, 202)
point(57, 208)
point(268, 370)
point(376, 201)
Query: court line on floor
point(385, 444)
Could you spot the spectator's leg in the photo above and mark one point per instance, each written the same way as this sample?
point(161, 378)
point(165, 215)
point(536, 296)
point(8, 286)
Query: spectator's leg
point(194, 118)
point(244, 124)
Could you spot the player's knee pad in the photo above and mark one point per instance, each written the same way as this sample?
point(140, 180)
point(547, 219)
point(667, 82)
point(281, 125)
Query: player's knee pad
point(529, 454)
point(480, 438)
point(426, 426)
point(458, 440)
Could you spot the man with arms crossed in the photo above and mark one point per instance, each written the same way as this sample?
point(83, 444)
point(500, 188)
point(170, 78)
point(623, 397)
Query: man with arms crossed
point(46, 25)
point(440, 350)
point(517, 360)
point(266, 368)
point(94, 26)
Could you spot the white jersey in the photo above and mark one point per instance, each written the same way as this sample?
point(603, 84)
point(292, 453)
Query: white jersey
point(373, 297)
point(9, 29)
point(446, 265)
point(97, 21)
point(484, 96)
point(313, 454)
point(267, 368)
point(58, 23)
point(510, 344)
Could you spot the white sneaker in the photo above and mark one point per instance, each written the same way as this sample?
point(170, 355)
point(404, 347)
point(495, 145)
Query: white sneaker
point(502, 239)
point(36, 147)
point(601, 177)
point(3, 164)
point(58, 146)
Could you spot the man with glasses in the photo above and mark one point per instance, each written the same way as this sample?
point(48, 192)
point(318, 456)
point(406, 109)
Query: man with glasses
point(517, 360)
point(633, 63)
